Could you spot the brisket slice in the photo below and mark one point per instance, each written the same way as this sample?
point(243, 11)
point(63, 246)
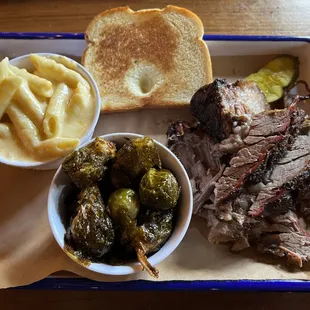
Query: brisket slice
point(241, 182)
point(283, 236)
point(220, 106)
point(236, 230)
point(289, 181)
point(290, 186)
point(248, 160)
point(304, 206)
point(191, 145)
point(196, 152)
point(270, 135)
point(304, 210)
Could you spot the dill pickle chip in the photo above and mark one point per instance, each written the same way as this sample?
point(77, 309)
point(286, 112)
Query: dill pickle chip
point(285, 69)
point(276, 75)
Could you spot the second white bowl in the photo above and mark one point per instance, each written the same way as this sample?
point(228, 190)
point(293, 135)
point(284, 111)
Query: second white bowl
point(61, 185)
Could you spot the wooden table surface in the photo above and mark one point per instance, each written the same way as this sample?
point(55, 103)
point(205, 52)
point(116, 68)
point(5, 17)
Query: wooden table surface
point(280, 17)
point(272, 17)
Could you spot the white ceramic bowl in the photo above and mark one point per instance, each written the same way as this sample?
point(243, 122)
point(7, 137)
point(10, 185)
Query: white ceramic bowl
point(60, 186)
point(24, 62)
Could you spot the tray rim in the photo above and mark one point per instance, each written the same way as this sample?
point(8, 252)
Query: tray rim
point(206, 37)
point(52, 283)
point(63, 283)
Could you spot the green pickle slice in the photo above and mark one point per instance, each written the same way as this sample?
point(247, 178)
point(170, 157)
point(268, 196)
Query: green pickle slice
point(276, 75)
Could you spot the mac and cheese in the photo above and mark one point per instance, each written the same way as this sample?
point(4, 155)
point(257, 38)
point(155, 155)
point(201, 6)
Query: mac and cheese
point(44, 113)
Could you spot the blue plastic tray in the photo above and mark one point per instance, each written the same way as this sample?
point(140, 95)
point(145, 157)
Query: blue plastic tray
point(211, 285)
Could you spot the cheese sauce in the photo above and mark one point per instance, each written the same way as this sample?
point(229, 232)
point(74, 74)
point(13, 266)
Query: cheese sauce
point(74, 122)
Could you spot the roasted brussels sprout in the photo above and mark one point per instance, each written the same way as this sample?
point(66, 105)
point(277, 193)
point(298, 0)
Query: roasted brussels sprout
point(159, 189)
point(87, 165)
point(133, 160)
point(155, 228)
point(151, 235)
point(123, 206)
point(71, 205)
point(91, 229)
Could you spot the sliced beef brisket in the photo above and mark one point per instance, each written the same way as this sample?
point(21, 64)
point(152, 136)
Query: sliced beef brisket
point(250, 173)
point(283, 236)
point(196, 152)
point(304, 210)
point(223, 108)
point(271, 208)
point(289, 181)
point(270, 135)
point(247, 161)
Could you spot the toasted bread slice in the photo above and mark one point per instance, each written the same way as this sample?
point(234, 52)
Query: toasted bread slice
point(148, 58)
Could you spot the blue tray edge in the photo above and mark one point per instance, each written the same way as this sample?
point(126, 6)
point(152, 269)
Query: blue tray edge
point(140, 285)
point(206, 37)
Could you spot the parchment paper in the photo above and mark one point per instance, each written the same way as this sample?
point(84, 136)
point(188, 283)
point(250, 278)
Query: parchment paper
point(29, 253)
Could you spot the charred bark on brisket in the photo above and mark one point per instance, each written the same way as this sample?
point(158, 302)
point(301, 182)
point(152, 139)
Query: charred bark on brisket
point(289, 181)
point(219, 105)
point(271, 133)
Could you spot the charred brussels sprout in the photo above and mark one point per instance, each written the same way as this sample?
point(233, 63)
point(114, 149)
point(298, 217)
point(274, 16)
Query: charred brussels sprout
point(123, 206)
point(151, 235)
point(159, 189)
point(87, 165)
point(91, 229)
point(155, 228)
point(133, 160)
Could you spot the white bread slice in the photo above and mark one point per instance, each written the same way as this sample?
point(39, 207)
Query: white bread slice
point(149, 58)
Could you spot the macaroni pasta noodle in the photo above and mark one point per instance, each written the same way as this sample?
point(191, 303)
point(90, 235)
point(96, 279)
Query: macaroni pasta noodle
point(45, 113)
